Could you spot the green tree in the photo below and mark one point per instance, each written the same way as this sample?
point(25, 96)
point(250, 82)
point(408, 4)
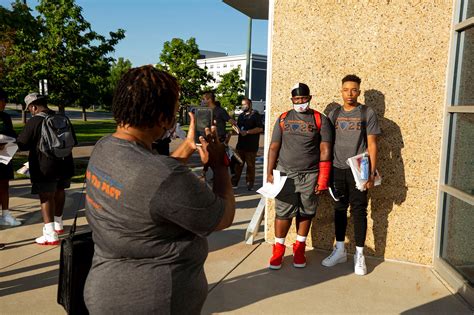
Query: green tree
point(73, 58)
point(19, 35)
point(230, 90)
point(117, 69)
point(178, 57)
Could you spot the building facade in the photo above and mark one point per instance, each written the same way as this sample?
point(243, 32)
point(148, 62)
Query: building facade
point(416, 61)
point(218, 66)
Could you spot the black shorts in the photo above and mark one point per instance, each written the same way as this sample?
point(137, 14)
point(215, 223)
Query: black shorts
point(50, 186)
point(6, 171)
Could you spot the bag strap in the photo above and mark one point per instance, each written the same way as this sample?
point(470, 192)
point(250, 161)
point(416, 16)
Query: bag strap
point(282, 120)
point(72, 231)
point(317, 119)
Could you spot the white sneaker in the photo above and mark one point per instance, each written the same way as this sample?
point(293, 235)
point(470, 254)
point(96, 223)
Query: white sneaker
point(360, 268)
point(48, 238)
point(8, 219)
point(337, 256)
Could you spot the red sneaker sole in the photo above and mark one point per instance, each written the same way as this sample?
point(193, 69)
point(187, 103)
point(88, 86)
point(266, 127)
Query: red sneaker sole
point(48, 243)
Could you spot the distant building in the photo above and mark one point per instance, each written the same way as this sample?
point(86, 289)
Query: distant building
point(210, 54)
point(220, 65)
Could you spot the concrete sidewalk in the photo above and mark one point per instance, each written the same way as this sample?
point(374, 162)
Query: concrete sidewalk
point(239, 281)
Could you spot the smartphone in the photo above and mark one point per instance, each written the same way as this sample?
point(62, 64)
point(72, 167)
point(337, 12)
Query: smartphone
point(203, 118)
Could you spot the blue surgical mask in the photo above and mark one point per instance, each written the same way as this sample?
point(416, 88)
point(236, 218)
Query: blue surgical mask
point(301, 108)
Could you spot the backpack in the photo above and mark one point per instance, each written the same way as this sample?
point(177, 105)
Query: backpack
point(317, 119)
point(57, 138)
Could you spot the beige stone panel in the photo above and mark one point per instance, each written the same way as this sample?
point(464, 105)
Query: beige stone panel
point(400, 50)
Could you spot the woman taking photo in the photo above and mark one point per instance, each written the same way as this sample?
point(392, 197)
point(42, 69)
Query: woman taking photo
point(148, 213)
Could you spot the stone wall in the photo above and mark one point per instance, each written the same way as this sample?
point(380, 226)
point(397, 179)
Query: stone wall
point(400, 50)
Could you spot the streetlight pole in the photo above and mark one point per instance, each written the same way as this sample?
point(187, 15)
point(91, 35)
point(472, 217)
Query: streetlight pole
point(247, 68)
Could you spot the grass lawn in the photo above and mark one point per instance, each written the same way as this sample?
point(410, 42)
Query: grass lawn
point(79, 165)
point(86, 131)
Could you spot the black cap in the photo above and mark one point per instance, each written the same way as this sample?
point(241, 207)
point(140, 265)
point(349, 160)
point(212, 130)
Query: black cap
point(300, 89)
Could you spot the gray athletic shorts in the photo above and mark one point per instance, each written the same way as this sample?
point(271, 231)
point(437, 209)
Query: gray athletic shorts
point(297, 198)
point(53, 186)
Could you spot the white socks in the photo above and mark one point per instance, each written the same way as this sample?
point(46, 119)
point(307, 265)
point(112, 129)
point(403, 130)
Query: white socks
point(5, 212)
point(301, 239)
point(280, 240)
point(340, 246)
point(58, 220)
point(49, 227)
point(359, 250)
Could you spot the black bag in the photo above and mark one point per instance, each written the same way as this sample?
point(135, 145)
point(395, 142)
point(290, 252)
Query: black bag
point(74, 265)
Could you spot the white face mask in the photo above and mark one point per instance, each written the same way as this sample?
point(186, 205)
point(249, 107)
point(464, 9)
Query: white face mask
point(301, 108)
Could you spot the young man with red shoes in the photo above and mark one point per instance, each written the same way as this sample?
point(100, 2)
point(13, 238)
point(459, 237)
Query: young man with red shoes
point(300, 149)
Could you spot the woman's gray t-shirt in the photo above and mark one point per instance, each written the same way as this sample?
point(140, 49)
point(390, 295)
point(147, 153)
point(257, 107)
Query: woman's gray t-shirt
point(149, 216)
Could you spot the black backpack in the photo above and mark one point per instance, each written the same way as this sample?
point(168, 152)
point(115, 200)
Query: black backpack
point(57, 138)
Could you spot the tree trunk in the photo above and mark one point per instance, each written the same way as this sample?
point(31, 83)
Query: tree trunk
point(23, 113)
point(84, 114)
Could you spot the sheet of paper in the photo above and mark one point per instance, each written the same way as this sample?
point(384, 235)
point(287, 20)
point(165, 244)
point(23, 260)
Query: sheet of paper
point(25, 170)
point(354, 163)
point(7, 153)
point(271, 190)
point(236, 129)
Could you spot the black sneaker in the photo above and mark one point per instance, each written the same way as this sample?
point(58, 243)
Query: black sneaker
point(249, 186)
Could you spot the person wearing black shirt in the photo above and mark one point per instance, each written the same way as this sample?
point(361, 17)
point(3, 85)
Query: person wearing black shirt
point(49, 176)
point(6, 171)
point(250, 127)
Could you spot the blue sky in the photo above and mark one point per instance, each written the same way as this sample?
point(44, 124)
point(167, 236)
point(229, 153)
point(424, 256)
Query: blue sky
point(149, 23)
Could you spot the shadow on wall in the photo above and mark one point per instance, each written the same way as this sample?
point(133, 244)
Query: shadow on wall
point(382, 199)
point(393, 190)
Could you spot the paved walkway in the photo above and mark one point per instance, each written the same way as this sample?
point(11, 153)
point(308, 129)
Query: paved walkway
point(239, 281)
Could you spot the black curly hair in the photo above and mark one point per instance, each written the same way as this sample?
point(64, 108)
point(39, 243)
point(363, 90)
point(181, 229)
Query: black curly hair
point(142, 95)
point(351, 78)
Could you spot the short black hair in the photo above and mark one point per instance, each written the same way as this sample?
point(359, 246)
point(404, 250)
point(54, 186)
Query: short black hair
point(210, 95)
point(41, 102)
point(351, 78)
point(142, 95)
point(3, 95)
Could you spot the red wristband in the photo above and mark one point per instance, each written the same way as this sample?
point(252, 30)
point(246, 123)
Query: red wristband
point(323, 176)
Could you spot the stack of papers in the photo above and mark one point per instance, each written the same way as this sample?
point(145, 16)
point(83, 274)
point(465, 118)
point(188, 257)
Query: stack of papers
point(271, 190)
point(25, 170)
point(9, 149)
point(236, 129)
point(354, 163)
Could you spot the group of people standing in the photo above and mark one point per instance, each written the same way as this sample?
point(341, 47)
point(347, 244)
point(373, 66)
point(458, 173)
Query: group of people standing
point(49, 176)
point(249, 126)
point(311, 150)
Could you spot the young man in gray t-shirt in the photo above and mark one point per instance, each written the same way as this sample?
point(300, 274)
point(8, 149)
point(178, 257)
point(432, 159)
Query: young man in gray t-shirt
point(301, 145)
point(356, 131)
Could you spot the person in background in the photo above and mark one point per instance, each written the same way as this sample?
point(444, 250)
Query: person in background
point(221, 117)
point(49, 176)
point(250, 126)
point(149, 213)
point(6, 171)
point(356, 129)
point(300, 148)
